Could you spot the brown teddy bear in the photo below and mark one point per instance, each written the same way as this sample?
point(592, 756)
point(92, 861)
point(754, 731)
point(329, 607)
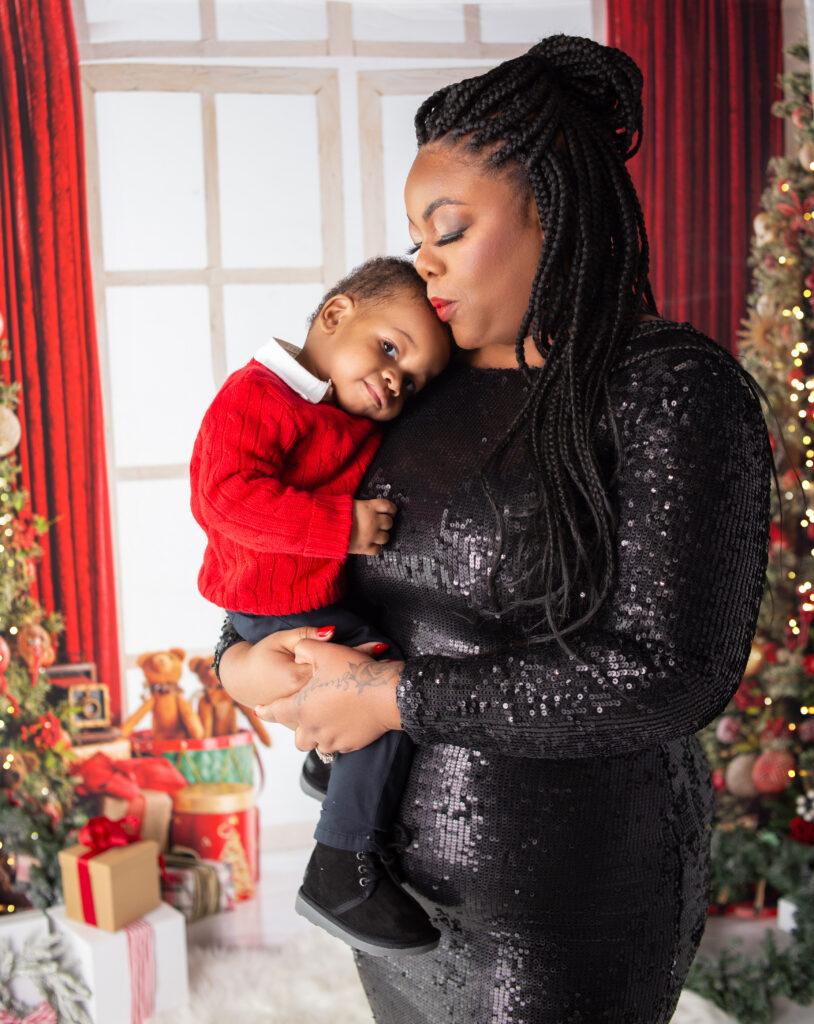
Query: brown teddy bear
point(15, 765)
point(173, 715)
point(217, 710)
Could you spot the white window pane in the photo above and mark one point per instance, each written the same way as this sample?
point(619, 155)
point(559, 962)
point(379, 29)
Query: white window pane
point(266, 19)
point(114, 20)
point(414, 22)
point(528, 22)
point(151, 180)
point(161, 371)
point(255, 313)
point(269, 181)
point(160, 552)
point(399, 150)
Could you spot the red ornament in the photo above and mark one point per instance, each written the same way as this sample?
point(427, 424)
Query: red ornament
point(770, 772)
point(36, 648)
point(719, 779)
point(802, 830)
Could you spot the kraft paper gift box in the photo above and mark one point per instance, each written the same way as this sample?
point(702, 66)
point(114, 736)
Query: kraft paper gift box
point(105, 961)
point(14, 930)
point(156, 815)
point(116, 750)
point(124, 883)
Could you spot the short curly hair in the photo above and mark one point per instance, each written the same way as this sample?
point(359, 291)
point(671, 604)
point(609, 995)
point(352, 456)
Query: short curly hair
point(375, 281)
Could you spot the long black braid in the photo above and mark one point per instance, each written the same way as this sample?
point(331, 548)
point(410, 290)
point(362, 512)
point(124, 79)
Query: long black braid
point(562, 119)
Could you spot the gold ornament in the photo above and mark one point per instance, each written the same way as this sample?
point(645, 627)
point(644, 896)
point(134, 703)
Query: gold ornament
point(756, 659)
point(763, 229)
point(739, 779)
point(10, 430)
point(806, 156)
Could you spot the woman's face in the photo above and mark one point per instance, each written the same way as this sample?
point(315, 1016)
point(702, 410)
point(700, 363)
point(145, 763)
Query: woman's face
point(478, 246)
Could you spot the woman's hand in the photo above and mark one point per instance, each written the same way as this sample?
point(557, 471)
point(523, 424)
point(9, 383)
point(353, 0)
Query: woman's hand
point(348, 701)
point(266, 671)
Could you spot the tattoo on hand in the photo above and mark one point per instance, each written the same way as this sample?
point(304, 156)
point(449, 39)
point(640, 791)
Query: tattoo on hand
point(362, 675)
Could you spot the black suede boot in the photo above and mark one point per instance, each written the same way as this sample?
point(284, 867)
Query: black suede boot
point(352, 896)
point(314, 776)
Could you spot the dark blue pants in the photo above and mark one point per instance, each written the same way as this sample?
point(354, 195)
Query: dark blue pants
point(365, 787)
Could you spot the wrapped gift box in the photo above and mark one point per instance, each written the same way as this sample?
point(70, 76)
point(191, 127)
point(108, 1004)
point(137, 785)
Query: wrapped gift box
point(123, 883)
point(155, 819)
point(219, 821)
point(195, 886)
point(211, 759)
point(14, 930)
point(105, 961)
point(117, 749)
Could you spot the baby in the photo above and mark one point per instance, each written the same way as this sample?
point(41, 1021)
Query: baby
point(280, 452)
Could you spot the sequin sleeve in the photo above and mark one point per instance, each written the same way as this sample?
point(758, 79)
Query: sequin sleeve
point(229, 636)
point(668, 648)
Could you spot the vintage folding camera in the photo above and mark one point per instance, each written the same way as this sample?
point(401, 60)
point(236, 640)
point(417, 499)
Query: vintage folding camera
point(90, 697)
point(92, 701)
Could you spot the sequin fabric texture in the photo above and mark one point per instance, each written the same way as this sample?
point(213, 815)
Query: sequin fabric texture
point(560, 810)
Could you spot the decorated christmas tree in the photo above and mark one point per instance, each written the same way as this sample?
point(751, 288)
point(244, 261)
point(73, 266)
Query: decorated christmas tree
point(762, 749)
point(36, 792)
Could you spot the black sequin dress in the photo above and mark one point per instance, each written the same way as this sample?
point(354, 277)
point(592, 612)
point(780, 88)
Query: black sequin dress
point(560, 811)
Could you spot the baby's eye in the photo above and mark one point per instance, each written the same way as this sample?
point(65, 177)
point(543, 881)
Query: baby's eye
point(409, 385)
point(389, 348)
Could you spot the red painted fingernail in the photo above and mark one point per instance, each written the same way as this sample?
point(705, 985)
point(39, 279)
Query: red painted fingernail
point(380, 648)
point(325, 631)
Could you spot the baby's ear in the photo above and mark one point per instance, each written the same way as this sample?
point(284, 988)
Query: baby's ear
point(334, 312)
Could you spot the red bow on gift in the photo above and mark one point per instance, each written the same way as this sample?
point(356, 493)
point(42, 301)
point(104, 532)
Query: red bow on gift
point(102, 834)
point(126, 778)
point(42, 1014)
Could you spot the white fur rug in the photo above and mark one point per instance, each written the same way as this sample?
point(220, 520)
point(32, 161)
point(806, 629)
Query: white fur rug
point(311, 978)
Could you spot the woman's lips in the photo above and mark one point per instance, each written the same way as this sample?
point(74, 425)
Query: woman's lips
point(443, 308)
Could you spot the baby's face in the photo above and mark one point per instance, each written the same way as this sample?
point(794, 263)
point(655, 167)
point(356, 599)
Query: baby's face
point(382, 354)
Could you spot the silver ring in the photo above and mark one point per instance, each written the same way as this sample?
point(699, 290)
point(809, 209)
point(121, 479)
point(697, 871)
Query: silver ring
point(325, 758)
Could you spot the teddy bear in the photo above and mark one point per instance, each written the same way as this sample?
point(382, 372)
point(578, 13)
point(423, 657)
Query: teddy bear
point(173, 715)
point(217, 710)
point(15, 765)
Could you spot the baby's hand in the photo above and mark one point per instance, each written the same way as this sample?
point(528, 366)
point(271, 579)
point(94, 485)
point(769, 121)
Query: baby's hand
point(372, 521)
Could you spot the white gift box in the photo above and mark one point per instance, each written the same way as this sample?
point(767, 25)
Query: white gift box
point(104, 959)
point(14, 930)
point(786, 910)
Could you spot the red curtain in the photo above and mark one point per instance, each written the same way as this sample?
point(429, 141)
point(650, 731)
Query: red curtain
point(45, 297)
point(710, 72)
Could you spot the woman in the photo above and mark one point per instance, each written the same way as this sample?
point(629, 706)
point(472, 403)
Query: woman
point(575, 571)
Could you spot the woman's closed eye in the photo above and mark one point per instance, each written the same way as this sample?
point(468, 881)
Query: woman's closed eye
point(453, 236)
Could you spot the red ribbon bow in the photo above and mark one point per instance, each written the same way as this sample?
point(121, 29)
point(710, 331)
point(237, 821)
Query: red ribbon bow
point(102, 834)
point(42, 1014)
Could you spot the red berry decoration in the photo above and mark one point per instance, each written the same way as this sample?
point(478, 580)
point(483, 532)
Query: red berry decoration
point(770, 772)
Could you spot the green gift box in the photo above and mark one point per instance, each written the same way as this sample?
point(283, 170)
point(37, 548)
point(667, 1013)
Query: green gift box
point(211, 759)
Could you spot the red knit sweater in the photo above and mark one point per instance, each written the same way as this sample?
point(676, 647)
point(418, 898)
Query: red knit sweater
point(273, 477)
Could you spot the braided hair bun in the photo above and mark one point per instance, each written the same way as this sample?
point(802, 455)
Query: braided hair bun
point(510, 102)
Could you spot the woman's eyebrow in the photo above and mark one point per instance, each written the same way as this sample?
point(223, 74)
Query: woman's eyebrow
point(443, 201)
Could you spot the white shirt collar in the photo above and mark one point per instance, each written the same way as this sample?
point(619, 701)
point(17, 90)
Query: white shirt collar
point(278, 356)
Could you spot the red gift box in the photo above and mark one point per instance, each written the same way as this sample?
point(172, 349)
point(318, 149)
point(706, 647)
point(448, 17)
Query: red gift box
point(219, 821)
